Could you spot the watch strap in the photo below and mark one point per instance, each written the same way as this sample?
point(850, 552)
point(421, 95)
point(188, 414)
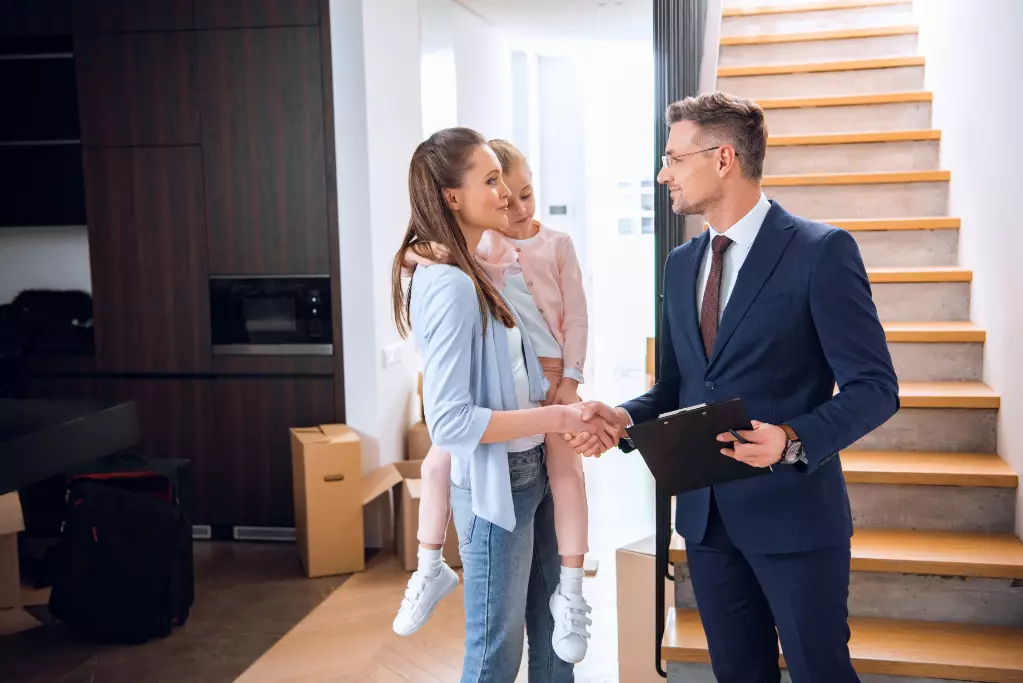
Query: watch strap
point(790, 433)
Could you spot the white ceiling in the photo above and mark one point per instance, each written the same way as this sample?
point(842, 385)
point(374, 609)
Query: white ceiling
point(539, 22)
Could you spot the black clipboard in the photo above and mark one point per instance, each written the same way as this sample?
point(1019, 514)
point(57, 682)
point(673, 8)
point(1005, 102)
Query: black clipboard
point(682, 451)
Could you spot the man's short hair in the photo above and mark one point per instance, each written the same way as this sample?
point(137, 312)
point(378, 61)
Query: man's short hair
point(727, 119)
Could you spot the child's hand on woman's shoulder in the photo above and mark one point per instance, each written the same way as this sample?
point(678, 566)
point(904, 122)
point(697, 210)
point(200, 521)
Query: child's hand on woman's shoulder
point(426, 254)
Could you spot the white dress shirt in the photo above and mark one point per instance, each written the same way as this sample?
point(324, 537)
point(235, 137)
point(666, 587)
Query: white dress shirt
point(742, 235)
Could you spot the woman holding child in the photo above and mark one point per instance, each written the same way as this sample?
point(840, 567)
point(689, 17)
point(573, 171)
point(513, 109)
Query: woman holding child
point(497, 309)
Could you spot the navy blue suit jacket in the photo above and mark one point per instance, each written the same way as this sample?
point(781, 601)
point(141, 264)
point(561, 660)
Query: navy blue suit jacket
point(799, 320)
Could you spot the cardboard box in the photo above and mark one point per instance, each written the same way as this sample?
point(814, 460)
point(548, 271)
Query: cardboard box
point(636, 632)
point(331, 492)
point(419, 441)
point(406, 518)
point(11, 522)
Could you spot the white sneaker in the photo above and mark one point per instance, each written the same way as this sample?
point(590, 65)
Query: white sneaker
point(570, 637)
point(421, 596)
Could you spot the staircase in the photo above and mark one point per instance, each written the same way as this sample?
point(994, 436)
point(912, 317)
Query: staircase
point(937, 574)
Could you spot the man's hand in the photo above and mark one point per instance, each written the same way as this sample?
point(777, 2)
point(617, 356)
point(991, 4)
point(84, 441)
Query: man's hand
point(566, 393)
point(594, 419)
point(588, 443)
point(765, 448)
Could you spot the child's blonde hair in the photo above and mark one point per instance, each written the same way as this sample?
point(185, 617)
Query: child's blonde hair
point(509, 155)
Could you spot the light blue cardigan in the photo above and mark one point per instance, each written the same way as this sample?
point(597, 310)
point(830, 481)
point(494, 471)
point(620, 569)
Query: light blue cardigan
point(466, 376)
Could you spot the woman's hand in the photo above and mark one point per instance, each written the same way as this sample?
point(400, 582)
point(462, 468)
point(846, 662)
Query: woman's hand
point(591, 426)
point(567, 393)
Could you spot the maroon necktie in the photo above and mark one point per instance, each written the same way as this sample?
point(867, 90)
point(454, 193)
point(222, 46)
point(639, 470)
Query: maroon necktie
point(711, 295)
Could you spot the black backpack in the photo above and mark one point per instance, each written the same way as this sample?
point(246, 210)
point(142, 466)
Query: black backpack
point(124, 564)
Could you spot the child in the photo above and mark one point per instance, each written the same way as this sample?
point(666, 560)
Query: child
point(539, 274)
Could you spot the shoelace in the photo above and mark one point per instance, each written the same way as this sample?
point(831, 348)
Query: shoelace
point(576, 619)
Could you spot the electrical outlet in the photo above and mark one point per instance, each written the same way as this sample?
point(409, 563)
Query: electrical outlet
point(392, 355)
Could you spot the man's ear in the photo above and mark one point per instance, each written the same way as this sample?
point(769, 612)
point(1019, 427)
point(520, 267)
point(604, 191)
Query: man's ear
point(726, 158)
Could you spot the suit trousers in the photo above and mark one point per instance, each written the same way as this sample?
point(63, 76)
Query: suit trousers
point(744, 597)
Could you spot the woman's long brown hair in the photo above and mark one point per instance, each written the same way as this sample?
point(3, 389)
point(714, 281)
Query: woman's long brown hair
point(438, 164)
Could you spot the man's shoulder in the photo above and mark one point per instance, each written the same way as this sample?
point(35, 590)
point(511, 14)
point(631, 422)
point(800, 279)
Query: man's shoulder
point(813, 233)
point(681, 250)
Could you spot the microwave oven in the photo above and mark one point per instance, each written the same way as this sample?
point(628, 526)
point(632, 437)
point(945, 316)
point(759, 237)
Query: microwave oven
point(275, 315)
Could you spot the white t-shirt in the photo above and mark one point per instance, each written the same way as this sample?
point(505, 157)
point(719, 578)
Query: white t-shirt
point(516, 290)
point(521, 377)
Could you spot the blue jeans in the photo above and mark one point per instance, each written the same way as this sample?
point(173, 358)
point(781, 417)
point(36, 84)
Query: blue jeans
point(509, 579)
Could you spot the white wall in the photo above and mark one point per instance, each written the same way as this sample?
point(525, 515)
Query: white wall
point(43, 258)
point(596, 130)
point(483, 62)
point(378, 124)
point(975, 69)
point(711, 38)
point(562, 147)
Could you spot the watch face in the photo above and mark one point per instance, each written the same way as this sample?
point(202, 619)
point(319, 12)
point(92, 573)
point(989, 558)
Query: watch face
point(794, 450)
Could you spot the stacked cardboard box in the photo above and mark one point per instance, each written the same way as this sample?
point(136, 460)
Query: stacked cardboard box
point(331, 492)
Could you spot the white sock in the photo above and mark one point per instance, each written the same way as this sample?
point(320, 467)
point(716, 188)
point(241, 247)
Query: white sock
point(429, 562)
point(572, 580)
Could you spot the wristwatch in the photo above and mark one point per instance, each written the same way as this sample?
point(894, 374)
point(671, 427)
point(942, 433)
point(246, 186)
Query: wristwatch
point(793, 451)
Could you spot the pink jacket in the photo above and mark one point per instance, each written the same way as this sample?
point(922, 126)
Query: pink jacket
point(555, 279)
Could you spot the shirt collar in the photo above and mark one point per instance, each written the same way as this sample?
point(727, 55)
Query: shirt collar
point(746, 228)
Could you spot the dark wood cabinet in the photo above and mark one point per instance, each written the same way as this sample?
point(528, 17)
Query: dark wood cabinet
point(256, 13)
point(249, 456)
point(105, 16)
point(174, 423)
point(263, 155)
point(138, 88)
point(57, 386)
point(147, 250)
point(292, 366)
point(35, 17)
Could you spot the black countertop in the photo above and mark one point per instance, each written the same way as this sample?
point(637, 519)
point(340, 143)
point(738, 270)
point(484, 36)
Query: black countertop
point(40, 438)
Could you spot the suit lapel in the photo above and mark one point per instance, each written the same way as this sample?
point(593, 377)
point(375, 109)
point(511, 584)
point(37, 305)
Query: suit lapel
point(690, 316)
point(768, 247)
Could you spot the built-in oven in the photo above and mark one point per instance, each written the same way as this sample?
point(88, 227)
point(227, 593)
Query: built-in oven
point(275, 315)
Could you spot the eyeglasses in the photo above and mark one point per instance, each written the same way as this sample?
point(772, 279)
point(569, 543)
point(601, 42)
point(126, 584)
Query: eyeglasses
point(667, 160)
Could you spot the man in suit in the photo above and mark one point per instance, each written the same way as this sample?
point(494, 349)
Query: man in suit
point(774, 309)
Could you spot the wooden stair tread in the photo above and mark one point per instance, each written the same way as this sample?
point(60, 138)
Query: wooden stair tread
point(889, 647)
point(948, 395)
point(911, 551)
point(811, 36)
point(820, 67)
point(854, 138)
point(934, 332)
point(807, 179)
point(809, 7)
point(920, 274)
point(845, 100)
point(927, 469)
point(877, 224)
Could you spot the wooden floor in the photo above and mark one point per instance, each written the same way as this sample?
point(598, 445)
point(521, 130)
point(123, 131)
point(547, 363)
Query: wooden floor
point(348, 638)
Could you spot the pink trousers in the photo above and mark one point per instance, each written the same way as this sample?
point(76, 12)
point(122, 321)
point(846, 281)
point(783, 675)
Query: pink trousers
point(564, 470)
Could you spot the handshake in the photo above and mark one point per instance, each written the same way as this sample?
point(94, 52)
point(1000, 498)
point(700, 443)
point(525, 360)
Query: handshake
point(591, 428)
